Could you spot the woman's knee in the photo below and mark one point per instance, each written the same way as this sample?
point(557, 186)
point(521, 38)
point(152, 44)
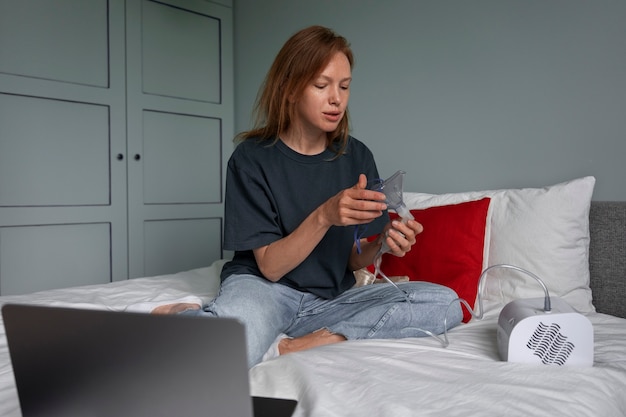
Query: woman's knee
point(420, 291)
point(258, 304)
point(241, 295)
point(436, 304)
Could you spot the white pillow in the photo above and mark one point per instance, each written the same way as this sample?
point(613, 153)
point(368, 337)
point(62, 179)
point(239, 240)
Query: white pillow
point(543, 230)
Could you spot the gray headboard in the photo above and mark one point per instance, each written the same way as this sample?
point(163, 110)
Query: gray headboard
point(607, 256)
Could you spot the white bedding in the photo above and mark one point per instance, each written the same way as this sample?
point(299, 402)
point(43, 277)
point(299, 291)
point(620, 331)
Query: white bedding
point(386, 378)
point(417, 377)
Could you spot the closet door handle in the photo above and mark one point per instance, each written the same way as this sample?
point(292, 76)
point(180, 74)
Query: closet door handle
point(137, 157)
point(120, 157)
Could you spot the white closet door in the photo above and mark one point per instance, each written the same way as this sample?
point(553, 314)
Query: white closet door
point(62, 125)
point(180, 130)
point(116, 119)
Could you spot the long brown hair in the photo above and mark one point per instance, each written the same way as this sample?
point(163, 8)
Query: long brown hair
point(299, 61)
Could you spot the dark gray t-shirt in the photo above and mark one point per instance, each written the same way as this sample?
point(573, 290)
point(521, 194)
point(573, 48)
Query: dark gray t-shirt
point(271, 189)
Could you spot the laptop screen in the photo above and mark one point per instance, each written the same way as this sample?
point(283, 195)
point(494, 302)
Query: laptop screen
point(71, 362)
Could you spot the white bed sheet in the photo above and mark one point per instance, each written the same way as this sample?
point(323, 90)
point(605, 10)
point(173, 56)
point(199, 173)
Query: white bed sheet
point(409, 377)
point(417, 377)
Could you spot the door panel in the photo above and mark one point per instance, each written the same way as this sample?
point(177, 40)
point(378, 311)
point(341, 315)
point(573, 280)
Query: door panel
point(35, 258)
point(179, 245)
point(61, 40)
point(174, 63)
point(181, 158)
point(53, 152)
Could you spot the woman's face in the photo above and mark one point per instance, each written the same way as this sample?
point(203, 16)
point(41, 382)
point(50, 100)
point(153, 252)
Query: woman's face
point(324, 101)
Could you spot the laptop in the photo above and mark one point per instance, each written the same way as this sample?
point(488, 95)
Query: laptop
point(73, 362)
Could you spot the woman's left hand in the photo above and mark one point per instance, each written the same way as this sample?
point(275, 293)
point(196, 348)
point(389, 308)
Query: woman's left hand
point(400, 236)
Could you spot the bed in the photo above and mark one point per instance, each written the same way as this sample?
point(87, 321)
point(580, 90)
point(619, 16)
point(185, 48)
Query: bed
point(577, 247)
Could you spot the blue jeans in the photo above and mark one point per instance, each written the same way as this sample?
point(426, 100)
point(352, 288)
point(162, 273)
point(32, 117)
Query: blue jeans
point(377, 311)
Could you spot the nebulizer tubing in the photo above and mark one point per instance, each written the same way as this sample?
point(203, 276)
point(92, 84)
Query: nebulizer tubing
point(394, 198)
point(547, 307)
point(393, 190)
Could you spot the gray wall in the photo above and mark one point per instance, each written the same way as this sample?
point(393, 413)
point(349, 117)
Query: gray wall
point(467, 95)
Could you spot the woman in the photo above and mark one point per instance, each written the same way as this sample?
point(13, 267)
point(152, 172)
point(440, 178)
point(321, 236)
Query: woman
point(296, 188)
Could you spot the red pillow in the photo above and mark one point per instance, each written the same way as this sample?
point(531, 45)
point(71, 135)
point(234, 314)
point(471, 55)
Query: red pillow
point(449, 251)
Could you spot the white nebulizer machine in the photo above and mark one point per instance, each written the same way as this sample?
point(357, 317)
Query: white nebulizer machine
point(534, 330)
point(527, 333)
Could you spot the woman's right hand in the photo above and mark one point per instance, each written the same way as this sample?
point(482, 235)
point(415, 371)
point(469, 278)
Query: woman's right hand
point(352, 206)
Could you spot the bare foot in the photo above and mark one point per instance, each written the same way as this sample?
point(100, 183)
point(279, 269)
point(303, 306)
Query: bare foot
point(317, 338)
point(175, 308)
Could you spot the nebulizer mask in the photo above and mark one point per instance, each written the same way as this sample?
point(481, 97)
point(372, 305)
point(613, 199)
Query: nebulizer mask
point(392, 187)
point(394, 198)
